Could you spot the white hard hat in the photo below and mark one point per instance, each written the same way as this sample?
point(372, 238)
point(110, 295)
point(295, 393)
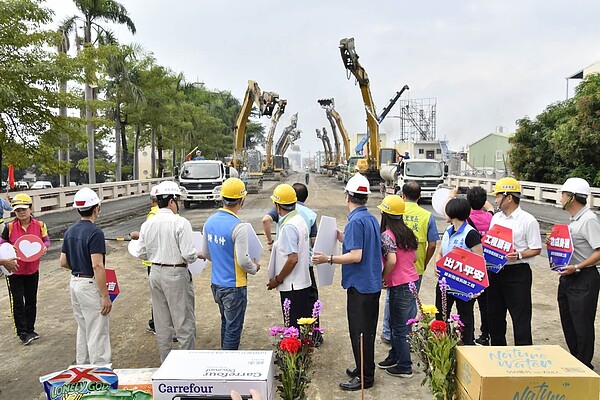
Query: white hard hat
point(153, 191)
point(576, 186)
point(358, 184)
point(85, 198)
point(166, 188)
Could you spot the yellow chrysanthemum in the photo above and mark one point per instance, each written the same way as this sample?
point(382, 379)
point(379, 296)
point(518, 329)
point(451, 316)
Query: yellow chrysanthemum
point(429, 309)
point(306, 321)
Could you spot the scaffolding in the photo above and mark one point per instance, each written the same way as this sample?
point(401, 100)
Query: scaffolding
point(417, 119)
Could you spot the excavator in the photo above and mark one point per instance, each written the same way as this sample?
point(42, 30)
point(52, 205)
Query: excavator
point(265, 102)
point(268, 166)
point(334, 119)
point(288, 137)
point(328, 165)
point(368, 166)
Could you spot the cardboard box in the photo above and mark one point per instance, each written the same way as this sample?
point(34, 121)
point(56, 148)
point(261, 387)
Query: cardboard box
point(198, 374)
point(523, 373)
point(136, 378)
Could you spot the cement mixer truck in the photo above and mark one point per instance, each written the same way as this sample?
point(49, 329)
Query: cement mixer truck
point(428, 173)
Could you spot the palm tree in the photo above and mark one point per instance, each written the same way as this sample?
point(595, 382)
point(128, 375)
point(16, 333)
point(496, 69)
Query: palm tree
point(93, 11)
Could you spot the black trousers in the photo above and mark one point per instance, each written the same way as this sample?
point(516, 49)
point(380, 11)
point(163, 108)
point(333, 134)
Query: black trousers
point(510, 290)
point(23, 301)
point(577, 304)
point(463, 308)
point(363, 313)
point(300, 306)
point(313, 297)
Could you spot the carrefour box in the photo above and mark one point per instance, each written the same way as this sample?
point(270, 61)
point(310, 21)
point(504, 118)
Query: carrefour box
point(199, 374)
point(523, 372)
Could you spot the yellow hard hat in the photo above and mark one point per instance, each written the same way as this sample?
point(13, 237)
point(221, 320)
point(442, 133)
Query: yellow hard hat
point(392, 205)
point(233, 188)
point(284, 194)
point(507, 185)
point(21, 200)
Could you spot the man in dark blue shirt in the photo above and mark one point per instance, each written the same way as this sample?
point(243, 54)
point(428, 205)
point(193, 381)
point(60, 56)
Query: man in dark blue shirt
point(361, 277)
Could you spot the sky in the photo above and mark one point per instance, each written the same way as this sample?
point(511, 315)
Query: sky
point(488, 63)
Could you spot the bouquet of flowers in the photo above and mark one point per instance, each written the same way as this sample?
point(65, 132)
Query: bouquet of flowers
point(294, 348)
point(435, 343)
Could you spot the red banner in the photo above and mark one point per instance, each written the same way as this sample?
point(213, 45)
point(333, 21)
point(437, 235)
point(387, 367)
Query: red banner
point(11, 176)
point(465, 273)
point(559, 247)
point(112, 284)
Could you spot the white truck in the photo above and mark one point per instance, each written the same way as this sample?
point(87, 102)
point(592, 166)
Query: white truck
point(201, 180)
point(429, 174)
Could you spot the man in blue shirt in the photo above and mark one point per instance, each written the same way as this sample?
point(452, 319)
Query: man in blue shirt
point(361, 276)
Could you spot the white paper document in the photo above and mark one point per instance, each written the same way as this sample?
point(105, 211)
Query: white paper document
point(197, 266)
point(255, 247)
point(327, 243)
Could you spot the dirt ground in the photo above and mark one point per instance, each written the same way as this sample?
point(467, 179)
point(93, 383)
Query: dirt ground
point(133, 347)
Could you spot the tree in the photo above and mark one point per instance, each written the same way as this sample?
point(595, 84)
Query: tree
point(94, 11)
point(29, 73)
point(562, 141)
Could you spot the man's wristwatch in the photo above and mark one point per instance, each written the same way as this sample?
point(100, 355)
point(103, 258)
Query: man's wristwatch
point(520, 255)
point(577, 269)
point(330, 259)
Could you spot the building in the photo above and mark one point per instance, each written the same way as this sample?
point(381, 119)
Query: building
point(490, 152)
point(426, 149)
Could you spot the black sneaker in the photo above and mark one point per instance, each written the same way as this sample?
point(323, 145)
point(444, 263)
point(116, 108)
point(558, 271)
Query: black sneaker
point(23, 337)
point(35, 335)
point(386, 364)
point(482, 341)
point(397, 372)
point(150, 329)
point(27, 338)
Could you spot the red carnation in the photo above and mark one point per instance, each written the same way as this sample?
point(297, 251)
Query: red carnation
point(290, 344)
point(438, 327)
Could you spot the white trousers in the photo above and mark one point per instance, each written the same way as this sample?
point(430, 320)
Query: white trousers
point(93, 340)
point(172, 293)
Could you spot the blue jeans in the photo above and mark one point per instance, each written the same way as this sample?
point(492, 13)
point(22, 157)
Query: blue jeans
point(232, 305)
point(402, 307)
point(386, 331)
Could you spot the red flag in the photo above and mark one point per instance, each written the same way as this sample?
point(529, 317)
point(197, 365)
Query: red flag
point(11, 176)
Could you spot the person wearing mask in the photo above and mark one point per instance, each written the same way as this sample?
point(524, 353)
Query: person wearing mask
point(290, 256)
point(231, 263)
point(579, 282)
point(510, 288)
point(166, 241)
point(23, 283)
point(399, 249)
point(459, 234)
point(361, 277)
point(425, 229)
point(83, 253)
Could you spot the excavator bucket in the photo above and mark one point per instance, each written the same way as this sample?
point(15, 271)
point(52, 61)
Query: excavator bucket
point(349, 56)
point(327, 104)
point(268, 101)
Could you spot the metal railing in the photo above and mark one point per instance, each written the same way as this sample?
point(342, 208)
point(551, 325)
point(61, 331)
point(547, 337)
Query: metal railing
point(55, 199)
point(542, 193)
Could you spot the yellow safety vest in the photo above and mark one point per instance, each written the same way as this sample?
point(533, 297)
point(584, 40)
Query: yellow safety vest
point(417, 219)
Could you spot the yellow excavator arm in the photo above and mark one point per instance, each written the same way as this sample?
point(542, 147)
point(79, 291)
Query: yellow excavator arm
point(350, 59)
point(265, 102)
point(334, 117)
point(268, 164)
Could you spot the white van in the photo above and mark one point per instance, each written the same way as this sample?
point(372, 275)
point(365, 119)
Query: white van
point(41, 185)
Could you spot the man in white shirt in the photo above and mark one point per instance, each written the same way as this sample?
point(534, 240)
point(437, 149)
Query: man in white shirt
point(510, 288)
point(166, 241)
point(290, 257)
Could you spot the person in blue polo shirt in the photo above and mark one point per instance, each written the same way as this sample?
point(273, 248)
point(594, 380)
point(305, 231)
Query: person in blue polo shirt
point(225, 243)
point(361, 277)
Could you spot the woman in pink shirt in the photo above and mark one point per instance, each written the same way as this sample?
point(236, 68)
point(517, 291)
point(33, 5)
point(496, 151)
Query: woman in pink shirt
point(399, 246)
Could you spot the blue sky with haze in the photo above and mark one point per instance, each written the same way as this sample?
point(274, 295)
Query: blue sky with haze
point(487, 63)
